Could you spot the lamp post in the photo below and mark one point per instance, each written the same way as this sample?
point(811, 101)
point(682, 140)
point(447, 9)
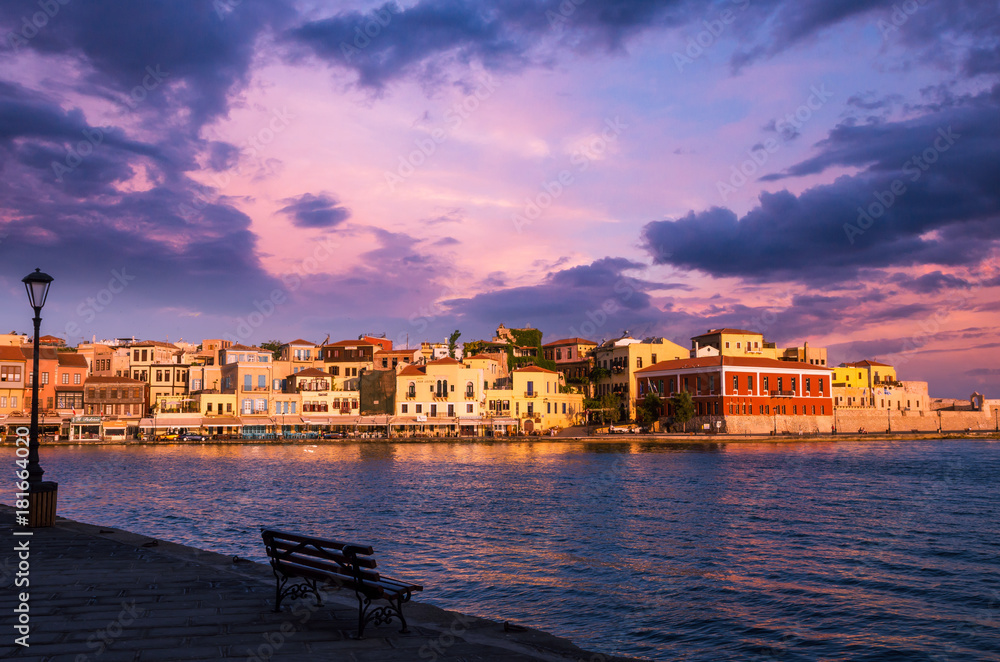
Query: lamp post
point(42, 495)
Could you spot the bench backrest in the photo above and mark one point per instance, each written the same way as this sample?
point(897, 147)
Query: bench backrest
point(294, 554)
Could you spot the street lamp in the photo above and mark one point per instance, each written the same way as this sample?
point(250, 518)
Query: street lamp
point(42, 495)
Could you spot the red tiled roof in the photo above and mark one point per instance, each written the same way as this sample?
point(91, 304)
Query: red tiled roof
point(154, 343)
point(747, 361)
point(72, 360)
point(349, 343)
point(300, 341)
point(866, 362)
point(47, 353)
point(396, 351)
point(481, 357)
point(310, 372)
point(413, 371)
point(535, 368)
point(570, 341)
point(11, 353)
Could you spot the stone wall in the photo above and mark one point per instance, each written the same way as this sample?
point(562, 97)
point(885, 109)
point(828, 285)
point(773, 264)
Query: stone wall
point(851, 420)
point(766, 424)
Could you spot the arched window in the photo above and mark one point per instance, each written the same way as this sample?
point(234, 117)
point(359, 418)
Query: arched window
point(469, 390)
point(411, 391)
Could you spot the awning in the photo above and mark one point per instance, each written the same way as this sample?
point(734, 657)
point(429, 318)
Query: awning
point(503, 421)
point(221, 421)
point(288, 420)
point(163, 423)
point(42, 420)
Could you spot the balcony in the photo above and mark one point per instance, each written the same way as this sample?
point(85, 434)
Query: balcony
point(530, 394)
point(470, 396)
point(411, 396)
point(782, 394)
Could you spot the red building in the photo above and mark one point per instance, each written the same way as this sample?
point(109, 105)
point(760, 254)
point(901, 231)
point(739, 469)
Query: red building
point(741, 386)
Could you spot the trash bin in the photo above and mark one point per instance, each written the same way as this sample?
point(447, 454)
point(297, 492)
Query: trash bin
point(42, 504)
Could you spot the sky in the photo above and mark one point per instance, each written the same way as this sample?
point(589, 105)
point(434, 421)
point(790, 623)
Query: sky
point(821, 171)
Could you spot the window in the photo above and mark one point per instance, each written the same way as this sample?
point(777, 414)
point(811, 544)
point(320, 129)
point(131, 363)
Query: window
point(468, 408)
point(652, 359)
point(403, 408)
point(10, 373)
point(247, 382)
point(727, 347)
point(737, 345)
point(763, 385)
point(208, 407)
point(808, 385)
point(779, 385)
point(420, 409)
point(762, 409)
point(750, 384)
point(736, 384)
point(564, 408)
point(793, 385)
point(247, 406)
point(711, 384)
point(45, 378)
point(451, 410)
point(820, 386)
point(531, 408)
point(531, 388)
point(65, 378)
point(261, 382)
point(814, 410)
point(795, 409)
point(548, 407)
point(638, 362)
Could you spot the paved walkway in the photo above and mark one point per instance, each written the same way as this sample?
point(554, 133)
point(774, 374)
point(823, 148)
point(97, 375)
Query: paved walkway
point(108, 595)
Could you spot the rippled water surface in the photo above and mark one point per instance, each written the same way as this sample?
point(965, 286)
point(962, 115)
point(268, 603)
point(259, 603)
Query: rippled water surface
point(804, 551)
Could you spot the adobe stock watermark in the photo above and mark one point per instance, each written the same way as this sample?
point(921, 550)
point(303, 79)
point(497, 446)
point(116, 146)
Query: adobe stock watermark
point(363, 36)
point(913, 168)
point(266, 308)
point(764, 321)
point(558, 20)
point(94, 136)
point(252, 147)
point(698, 44)
point(900, 15)
point(599, 316)
point(761, 153)
point(31, 26)
point(553, 189)
point(89, 307)
point(101, 640)
point(428, 145)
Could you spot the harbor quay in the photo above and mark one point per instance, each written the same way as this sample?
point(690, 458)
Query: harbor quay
point(78, 592)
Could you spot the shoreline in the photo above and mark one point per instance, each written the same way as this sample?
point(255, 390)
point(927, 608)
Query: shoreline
point(666, 439)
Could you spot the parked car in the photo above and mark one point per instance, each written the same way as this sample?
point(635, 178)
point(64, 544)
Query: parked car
point(333, 435)
point(167, 437)
point(624, 429)
point(188, 436)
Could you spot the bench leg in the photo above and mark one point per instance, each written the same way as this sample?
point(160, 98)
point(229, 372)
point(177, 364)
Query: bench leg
point(379, 615)
point(295, 591)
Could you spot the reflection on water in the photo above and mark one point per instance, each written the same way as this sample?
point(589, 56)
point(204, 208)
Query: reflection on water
point(763, 551)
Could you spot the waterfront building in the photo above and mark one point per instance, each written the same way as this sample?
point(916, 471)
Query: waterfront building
point(48, 366)
point(13, 371)
point(874, 385)
point(440, 397)
point(726, 389)
point(537, 401)
point(494, 371)
point(247, 373)
point(113, 407)
point(344, 359)
point(574, 357)
point(741, 342)
point(622, 357)
point(71, 372)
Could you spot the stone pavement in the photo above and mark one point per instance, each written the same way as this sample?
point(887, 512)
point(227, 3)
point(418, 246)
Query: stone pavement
point(108, 595)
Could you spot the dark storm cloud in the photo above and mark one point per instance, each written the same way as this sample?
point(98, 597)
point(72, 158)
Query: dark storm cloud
point(315, 211)
point(945, 211)
point(190, 41)
point(931, 283)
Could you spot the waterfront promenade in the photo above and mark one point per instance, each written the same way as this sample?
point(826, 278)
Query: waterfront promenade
point(106, 594)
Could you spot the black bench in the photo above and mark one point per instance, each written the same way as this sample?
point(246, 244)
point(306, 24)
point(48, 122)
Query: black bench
point(332, 564)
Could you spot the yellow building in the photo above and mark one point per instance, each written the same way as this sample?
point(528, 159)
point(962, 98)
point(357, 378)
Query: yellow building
point(439, 397)
point(12, 378)
point(489, 366)
point(536, 401)
point(874, 385)
point(622, 357)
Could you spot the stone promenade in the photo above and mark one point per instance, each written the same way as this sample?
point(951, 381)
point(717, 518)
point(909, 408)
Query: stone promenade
point(108, 595)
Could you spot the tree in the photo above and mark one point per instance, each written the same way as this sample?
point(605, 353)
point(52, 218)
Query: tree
point(452, 342)
point(683, 408)
point(649, 409)
point(274, 346)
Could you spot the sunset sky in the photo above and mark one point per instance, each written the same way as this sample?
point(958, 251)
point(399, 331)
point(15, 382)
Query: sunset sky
point(278, 170)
